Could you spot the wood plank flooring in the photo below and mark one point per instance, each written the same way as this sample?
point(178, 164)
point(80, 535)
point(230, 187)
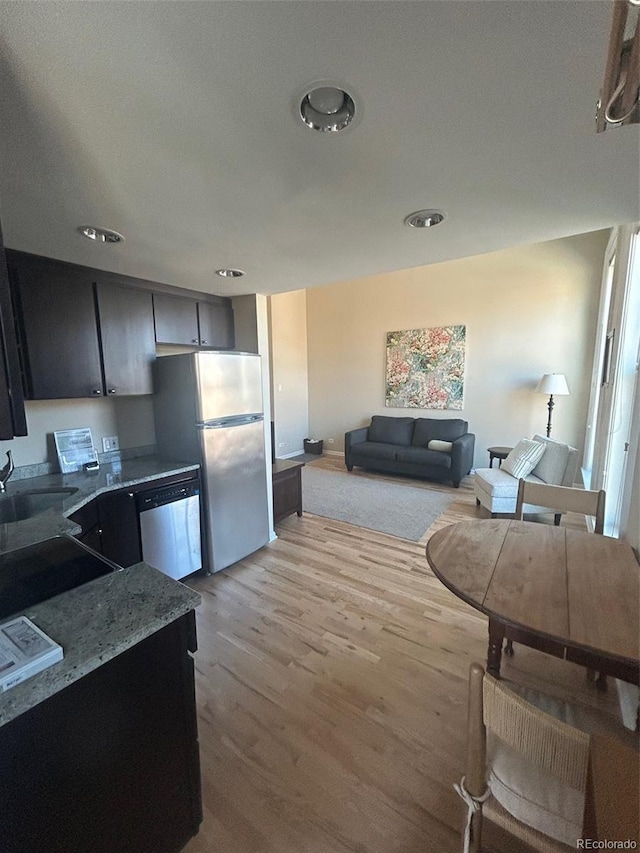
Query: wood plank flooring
point(331, 682)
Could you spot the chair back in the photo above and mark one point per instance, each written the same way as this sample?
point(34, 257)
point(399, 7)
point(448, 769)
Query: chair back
point(562, 499)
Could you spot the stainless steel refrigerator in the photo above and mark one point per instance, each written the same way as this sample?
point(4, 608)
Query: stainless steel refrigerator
point(208, 409)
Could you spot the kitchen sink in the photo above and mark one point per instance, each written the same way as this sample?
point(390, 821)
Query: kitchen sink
point(26, 504)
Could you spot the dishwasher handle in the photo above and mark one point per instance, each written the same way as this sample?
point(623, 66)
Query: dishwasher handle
point(154, 498)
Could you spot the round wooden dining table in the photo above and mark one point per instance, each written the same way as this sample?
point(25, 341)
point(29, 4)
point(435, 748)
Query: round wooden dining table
point(570, 593)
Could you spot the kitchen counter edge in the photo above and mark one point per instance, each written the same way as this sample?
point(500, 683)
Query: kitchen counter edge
point(96, 622)
point(88, 485)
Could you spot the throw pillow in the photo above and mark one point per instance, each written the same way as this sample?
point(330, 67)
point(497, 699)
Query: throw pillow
point(551, 468)
point(440, 446)
point(523, 458)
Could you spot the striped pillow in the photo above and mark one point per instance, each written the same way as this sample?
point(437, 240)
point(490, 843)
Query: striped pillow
point(523, 458)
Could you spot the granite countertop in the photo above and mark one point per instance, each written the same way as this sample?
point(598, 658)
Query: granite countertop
point(96, 622)
point(88, 485)
point(106, 616)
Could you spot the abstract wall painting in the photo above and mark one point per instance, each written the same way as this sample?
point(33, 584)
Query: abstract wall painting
point(425, 368)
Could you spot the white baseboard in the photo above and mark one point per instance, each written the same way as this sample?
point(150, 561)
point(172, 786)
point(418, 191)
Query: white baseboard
point(333, 453)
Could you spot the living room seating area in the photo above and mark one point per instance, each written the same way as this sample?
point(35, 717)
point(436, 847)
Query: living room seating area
point(435, 448)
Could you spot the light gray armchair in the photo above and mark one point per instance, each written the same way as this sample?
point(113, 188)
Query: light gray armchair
point(497, 491)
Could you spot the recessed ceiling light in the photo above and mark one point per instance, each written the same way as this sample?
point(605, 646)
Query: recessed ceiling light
point(327, 109)
point(100, 235)
point(425, 218)
point(230, 273)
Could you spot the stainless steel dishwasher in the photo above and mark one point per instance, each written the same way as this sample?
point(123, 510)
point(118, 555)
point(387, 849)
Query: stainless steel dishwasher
point(170, 528)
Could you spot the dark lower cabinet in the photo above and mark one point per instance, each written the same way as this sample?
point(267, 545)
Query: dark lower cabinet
point(111, 763)
point(110, 523)
point(287, 488)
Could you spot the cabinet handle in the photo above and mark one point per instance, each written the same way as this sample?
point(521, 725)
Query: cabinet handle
point(204, 342)
point(195, 341)
point(111, 391)
point(130, 494)
point(96, 392)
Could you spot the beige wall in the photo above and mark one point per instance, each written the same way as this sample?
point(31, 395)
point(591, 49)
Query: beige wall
point(289, 379)
point(130, 418)
point(528, 311)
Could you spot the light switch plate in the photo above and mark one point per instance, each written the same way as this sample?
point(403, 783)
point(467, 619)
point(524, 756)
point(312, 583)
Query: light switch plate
point(110, 442)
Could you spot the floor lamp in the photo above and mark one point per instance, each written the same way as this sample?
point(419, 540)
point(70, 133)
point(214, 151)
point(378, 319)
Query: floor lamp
point(552, 383)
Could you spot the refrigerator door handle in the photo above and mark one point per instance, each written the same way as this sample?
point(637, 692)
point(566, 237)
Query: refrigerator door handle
point(222, 423)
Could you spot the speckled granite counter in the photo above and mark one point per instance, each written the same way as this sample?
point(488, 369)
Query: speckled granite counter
point(117, 475)
point(99, 620)
point(94, 623)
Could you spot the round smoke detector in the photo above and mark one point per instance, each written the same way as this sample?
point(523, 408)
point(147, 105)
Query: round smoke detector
point(328, 109)
point(425, 218)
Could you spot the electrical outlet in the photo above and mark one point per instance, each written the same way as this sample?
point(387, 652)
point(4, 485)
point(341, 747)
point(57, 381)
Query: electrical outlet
point(330, 440)
point(110, 442)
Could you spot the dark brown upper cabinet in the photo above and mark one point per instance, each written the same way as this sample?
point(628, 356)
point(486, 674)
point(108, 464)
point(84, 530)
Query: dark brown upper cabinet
point(126, 333)
point(194, 322)
point(215, 324)
point(176, 320)
point(81, 334)
point(12, 416)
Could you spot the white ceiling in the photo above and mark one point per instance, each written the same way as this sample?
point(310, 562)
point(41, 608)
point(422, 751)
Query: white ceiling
point(175, 123)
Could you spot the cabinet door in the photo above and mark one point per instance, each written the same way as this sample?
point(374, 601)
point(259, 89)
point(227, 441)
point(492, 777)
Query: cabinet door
point(61, 354)
point(128, 339)
point(215, 321)
point(120, 533)
point(176, 320)
point(12, 416)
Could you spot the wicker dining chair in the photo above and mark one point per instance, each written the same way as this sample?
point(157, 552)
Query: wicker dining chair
point(532, 774)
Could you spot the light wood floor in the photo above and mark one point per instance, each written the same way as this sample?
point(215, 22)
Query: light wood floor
point(331, 688)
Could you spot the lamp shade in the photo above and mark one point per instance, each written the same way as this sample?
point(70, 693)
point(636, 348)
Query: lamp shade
point(553, 383)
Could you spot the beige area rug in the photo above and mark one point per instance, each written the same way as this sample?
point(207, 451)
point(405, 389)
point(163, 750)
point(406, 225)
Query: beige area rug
point(395, 508)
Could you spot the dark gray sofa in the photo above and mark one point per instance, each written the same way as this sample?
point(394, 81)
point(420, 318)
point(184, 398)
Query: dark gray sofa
point(399, 446)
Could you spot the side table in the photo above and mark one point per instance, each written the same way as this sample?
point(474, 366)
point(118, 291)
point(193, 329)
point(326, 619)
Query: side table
point(498, 453)
point(287, 488)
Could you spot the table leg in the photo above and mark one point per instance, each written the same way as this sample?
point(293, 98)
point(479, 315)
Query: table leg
point(494, 654)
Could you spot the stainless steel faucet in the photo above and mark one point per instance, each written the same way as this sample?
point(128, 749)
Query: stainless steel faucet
point(6, 472)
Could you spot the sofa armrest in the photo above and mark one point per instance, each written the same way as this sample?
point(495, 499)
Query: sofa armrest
point(353, 436)
point(462, 456)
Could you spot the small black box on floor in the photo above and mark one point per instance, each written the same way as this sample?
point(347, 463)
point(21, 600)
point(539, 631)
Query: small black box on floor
point(312, 445)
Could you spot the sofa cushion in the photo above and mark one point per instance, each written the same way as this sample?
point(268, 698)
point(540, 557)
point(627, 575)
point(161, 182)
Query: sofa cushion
point(523, 458)
point(374, 450)
point(422, 456)
point(391, 430)
point(550, 469)
point(444, 429)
